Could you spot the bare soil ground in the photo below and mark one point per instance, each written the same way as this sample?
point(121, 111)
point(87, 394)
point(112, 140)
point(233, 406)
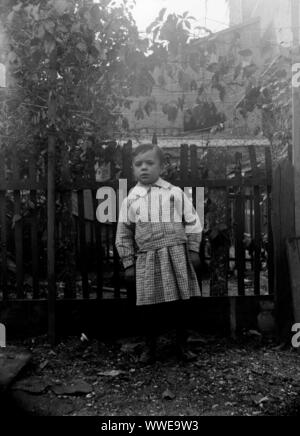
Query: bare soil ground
point(247, 377)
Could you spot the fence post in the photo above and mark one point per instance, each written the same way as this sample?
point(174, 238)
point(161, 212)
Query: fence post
point(240, 225)
point(127, 167)
point(3, 234)
point(51, 239)
point(283, 223)
point(51, 205)
point(257, 221)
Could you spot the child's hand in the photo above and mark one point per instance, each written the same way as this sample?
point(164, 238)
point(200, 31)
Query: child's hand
point(195, 259)
point(130, 274)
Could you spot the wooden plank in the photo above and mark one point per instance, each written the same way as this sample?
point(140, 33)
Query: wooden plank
point(270, 260)
point(117, 286)
point(98, 252)
point(34, 230)
point(293, 251)
point(239, 224)
point(184, 159)
point(194, 165)
point(51, 240)
point(257, 224)
point(296, 109)
point(3, 241)
point(127, 163)
point(18, 227)
point(228, 224)
point(19, 243)
point(23, 185)
point(195, 184)
point(3, 234)
point(283, 223)
point(82, 242)
point(251, 201)
point(86, 184)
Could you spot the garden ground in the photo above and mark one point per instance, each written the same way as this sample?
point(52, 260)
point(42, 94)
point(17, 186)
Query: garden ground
point(250, 376)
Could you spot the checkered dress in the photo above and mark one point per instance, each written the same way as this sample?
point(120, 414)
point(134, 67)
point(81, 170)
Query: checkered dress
point(159, 248)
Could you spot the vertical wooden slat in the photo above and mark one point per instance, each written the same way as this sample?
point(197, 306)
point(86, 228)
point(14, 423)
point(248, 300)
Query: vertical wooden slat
point(3, 235)
point(283, 223)
point(270, 258)
point(18, 226)
point(184, 159)
point(194, 183)
point(257, 223)
point(98, 252)
point(116, 267)
point(239, 223)
point(293, 252)
point(194, 164)
point(127, 164)
point(82, 242)
point(68, 226)
point(34, 230)
point(228, 224)
point(51, 239)
point(252, 225)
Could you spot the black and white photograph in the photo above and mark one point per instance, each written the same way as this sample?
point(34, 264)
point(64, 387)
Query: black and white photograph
point(149, 211)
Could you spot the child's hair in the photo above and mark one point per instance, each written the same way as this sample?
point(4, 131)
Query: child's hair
point(143, 148)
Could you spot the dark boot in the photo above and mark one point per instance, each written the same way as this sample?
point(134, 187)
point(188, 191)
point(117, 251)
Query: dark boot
point(149, 354)
point(182, 351)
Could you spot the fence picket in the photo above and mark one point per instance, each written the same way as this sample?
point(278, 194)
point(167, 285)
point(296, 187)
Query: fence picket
point(82, 243)
point(3, 235)
point(98, 252)
point(240, 225)
point(18, 226)
point(184, 161)
point(257, 222)
point(270, 248)
point(34, 230)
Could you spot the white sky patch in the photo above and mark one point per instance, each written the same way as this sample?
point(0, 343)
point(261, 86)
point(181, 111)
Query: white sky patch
point(210, 13)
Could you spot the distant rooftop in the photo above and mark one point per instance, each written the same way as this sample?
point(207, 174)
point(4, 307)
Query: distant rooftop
point(215, 141)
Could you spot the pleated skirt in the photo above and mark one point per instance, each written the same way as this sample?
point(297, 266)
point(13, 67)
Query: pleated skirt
point(165, 275)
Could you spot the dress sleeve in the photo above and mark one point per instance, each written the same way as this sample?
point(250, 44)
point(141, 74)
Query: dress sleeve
point(125, 237)
point(192, 224)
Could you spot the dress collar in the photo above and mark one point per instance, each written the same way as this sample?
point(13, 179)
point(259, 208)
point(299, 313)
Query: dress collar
point(141, 190)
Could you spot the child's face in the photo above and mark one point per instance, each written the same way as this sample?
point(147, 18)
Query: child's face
point(147, 167)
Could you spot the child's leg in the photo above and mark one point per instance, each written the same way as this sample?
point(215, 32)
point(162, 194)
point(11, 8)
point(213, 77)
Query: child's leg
point(181, 317)
point(179, 322)
point(148, 322)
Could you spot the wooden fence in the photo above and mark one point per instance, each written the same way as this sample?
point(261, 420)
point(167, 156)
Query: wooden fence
point(87, 265)
point(283, 224)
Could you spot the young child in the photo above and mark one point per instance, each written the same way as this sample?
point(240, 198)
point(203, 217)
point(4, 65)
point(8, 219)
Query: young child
point(158, 240)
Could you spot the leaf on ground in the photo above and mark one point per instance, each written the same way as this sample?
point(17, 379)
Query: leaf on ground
point(112, 373)
point(258, 399)
point(168, 395)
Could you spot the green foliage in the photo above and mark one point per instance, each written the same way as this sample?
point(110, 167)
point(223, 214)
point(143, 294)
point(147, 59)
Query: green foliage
point(101, 65)
point(86, 45)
